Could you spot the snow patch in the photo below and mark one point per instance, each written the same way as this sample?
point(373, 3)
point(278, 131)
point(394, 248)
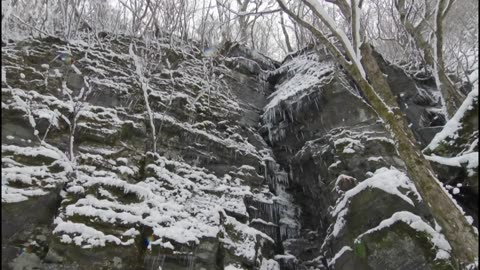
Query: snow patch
point(388, 180)
point(451, 128)
point(339, 254)
point(416, 223)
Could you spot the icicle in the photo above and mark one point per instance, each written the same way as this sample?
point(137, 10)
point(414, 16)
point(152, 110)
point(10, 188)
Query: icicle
point(270, 135)
point(156, 262)
point(191, 261)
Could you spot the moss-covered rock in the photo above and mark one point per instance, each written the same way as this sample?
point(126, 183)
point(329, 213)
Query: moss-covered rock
point(400, 247)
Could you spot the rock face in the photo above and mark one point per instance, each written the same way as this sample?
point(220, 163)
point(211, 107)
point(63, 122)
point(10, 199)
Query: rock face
point(113, 203)
point(454, 154)
point(359, 208)
point(258, 165)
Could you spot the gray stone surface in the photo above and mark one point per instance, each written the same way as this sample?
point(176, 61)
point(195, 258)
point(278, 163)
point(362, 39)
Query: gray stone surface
point(230, 185)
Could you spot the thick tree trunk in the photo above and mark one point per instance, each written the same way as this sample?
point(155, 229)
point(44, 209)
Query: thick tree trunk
point(458, 231)
point(243, 21)
point(243, 29)
point(455, 227)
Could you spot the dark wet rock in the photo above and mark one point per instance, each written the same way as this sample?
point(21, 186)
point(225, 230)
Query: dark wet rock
point(335, 150)
point(241, 178)
point(454, 156)
point(26, 230)
point(97, 216)
point(416, 98)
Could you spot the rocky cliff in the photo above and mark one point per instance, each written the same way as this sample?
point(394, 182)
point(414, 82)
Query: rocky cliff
point(258, 164)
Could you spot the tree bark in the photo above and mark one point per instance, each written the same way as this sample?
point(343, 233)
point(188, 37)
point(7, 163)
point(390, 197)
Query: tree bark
point(433, 54)
point(452, 97)
point(457, 230)
point(285, 34)
point(455, 227)
point(243, 21)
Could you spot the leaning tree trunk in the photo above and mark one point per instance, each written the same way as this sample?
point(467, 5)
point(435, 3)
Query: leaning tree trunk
point(458, 231)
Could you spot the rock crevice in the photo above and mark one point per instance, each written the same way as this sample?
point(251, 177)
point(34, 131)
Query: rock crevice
point(258, 164)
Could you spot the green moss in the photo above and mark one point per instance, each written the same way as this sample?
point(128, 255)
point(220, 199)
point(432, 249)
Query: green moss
point(232, 233)
point(91, 134)
point(397, 241)
point(369, 207)
point(75, 257)
point(34, 161)
point(18, 184)
point(126, 131)
point(360, 249)
point(467, 133)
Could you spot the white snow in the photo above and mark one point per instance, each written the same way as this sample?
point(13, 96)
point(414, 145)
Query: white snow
point(348, 143)
point(340, 33)
point(469, 219)
point(269, 264)
point(447, 193)
point(31, 151)
point(131, 232)
point(451, 128)
point(86, 234)
point(389, 180)
point(437, 239)
point(75, 69)
point(122, 160)
point(181, 203)
point(383, 139)
point(470, 160)
point(243, 147)
point(13, 195)
point(339, 222)
point(307, 74)
point(184, 214)
point(233, 267)
point(139, 69)
point(335, 164)
point(76, 189)
point(338, 255)
point(125, 170)
point(4, 75)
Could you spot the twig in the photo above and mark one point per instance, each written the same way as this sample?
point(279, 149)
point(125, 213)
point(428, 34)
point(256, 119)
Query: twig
point(31, 26)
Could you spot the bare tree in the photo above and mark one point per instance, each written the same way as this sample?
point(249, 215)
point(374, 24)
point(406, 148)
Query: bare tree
point(145, 64)
point(138, 11)
point(285, 34)
point(224, 19)
point(243, 19)
point(430, 22)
